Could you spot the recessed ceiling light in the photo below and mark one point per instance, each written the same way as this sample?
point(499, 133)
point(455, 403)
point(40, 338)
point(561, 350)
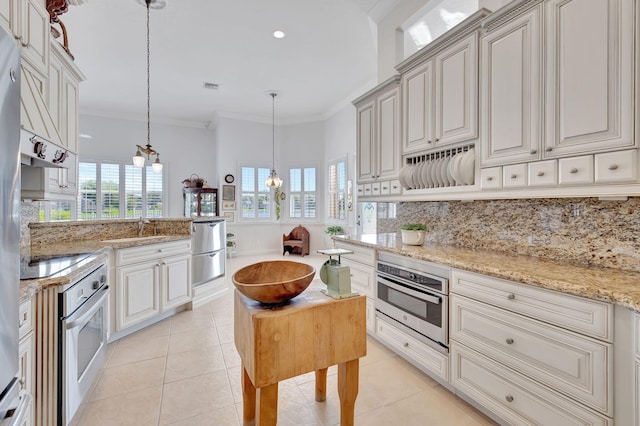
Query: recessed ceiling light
point(279, 34)
point(85, 136)
point(212, 86)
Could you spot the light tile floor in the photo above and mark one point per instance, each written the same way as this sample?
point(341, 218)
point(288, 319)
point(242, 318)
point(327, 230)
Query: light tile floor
point(185, 371)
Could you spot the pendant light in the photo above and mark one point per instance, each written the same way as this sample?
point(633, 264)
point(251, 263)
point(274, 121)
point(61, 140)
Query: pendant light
point(138, 159)
point(273, 181)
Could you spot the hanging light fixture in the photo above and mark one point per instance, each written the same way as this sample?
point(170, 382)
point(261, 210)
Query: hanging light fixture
point(138, 159)
point(273, 181)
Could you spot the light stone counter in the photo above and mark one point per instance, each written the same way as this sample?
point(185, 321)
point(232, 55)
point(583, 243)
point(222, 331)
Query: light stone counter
point(606, 284)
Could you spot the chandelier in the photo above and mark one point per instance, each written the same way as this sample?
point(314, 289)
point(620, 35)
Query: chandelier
point(273, 181)
point(138, 159)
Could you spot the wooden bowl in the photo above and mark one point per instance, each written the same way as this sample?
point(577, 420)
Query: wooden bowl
point(274, 281)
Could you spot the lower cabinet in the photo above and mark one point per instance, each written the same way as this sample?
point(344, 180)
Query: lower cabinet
point(26, 352)
point(148, 288)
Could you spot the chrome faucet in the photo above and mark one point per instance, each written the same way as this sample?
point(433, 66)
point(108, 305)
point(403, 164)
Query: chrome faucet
point(141, 223)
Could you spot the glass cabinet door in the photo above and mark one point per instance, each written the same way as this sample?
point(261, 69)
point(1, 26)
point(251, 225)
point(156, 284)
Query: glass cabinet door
point(200, 202)
point(208, 204)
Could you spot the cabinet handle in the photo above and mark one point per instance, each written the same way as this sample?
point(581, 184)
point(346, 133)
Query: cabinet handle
point(509, 398)
point(514, 176)
point(367, 190)
point(437, 140)
point(489, 178)
point(509, 341)
point(511, 296)
point(613, 167)
point(573, 171)
point(406, 344)
point(549, 149)
point(384, 187)
point(540, 173)
point(428, 141)
point(534, 151)
point(373, 176)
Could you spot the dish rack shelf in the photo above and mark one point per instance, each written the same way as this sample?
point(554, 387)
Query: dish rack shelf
point(446, 168)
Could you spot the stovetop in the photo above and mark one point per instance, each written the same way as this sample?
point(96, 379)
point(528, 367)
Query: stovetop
point(33, 267)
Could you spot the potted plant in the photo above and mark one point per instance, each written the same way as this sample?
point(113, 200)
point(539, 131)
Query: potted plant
point(413, 233)
point(334, 230)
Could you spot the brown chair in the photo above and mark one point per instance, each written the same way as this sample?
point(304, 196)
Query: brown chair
point(297, 242)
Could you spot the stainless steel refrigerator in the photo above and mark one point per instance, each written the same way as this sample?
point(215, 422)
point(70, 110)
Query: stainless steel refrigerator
point(11, 407)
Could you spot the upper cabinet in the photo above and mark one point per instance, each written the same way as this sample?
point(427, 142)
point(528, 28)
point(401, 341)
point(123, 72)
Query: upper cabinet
point(378, 132)
point(589, 75)
point(417, 116)
point(511, 86)
point(28, 21)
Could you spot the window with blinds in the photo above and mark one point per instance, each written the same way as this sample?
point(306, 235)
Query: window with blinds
point(256, 196)
point(302, 193)
point(113, 190)
point(337, 197)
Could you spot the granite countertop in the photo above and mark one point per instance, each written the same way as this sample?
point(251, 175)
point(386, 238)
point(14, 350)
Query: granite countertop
point(606, 284)
point(100, 249)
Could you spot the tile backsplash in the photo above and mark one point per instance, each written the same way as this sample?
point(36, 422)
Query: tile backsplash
point(583, 230)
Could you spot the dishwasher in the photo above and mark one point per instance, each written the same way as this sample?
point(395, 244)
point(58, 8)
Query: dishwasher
point(208, 246)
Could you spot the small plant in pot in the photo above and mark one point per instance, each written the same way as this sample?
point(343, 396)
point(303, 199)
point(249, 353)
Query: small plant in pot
point(413, 233)
point(334, 230)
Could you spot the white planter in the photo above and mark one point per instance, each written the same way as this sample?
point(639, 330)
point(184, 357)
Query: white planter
point(413, 238)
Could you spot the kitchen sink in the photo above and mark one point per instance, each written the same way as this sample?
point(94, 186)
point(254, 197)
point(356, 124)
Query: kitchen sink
point(132, 239)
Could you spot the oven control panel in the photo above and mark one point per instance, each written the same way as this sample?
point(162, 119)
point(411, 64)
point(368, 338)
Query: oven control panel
point(78, 293)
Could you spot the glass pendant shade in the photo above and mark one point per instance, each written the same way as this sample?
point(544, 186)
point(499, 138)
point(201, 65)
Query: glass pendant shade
point(157, 165)
point(273, 181)
point(138, 159)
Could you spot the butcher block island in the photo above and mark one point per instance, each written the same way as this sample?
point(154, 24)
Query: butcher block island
point(311, 332)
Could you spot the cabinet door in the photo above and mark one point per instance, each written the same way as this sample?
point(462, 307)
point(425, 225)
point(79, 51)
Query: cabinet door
point(176, 281)
point(457, 92)
point(26, 363)
point(137, 290)
point(55, 98)
point(8, 15)
point(589, 75)
point(69, 119)
point(417, 119)
point(388, 136)
point(365, 140)
point(511, 83)
point(34, 30)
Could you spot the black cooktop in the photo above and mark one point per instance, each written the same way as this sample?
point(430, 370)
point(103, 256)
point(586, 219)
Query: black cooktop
point(32, 267)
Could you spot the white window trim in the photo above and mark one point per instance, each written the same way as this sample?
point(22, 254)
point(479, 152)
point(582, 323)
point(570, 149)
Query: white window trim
point(284, 206)
point(272, 206)
point(331, 221)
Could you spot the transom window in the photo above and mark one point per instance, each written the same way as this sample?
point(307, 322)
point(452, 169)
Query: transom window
point(302, 192)
point(256, 196)
point(115, 190)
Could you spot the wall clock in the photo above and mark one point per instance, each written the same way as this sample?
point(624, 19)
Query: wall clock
point(229, 178)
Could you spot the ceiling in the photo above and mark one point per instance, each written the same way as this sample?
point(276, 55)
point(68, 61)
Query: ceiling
point(327, 58)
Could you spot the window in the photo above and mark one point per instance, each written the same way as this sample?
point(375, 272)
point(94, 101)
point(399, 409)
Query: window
point(337, 190)
point(113, 190)
point(302, 192)
point(256, 196)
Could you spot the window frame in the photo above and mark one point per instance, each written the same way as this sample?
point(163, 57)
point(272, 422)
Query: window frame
point(122, 199)
point(317, 192)
point(335, 220)
point(259, 185)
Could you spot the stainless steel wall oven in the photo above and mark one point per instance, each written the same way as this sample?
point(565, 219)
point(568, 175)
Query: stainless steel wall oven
point(414, 295)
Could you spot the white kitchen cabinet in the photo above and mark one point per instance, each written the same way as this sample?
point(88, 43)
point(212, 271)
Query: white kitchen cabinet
point(491, 178)
point(378, 133)
point(51, 183)
point(26, 355)
point(150, 280)
point(589, 91)
point(30, 26)
point(512, 396)
point(456, 94)
point(511, 82)
point(362, 265)
point(576, 170)
point(440, 98)
point(8, 14)
point(514, 175)
point(543, 173)
point(620, 166)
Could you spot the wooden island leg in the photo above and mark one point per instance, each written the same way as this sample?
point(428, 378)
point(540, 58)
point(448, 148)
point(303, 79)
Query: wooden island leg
point(267, 399)
point(248, 400)
point(321, 384)
point(348, 390)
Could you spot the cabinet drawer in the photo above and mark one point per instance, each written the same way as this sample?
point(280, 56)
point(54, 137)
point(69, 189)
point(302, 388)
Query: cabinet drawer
point(619, 166)
point(360, 190)
point(491, 178)
point(25, 321)
point(422, 355)
point(385, 188)
point(581, 315)
point(363, 278)
point(375, 188)
point(367, 189)
point(543, 173)
point(514, 175)
point(394, 187)
point(151, 251)
point(576, 170)
point(570, 363)
point(515, 398)
point(636, 324)
point(360, 254)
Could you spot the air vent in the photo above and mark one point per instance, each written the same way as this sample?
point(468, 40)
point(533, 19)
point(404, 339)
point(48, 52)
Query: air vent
point(212, 86)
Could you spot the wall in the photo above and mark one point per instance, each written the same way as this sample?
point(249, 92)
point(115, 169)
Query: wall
point(586, 231)
point(183, 150)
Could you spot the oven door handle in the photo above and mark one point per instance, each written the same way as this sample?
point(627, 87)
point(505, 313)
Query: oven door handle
point(403, 289)
point(87, 312)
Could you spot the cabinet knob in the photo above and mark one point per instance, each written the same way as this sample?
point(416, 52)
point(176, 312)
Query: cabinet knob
point(384, 187)
point(373, 176)
point(395, 186)
point(549, 149)
point(514, 176)
point(613, 167)
point(428, 141)
point(489, 178)
point(534, 151)
point(573, 171)
point(437, 140)
point(406, 344)
point(511, 296)
point(540, 173)
point(509, 398)
point(509, 341)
